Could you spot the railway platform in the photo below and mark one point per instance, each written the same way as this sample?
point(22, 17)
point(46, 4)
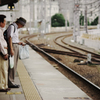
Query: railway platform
point(39, 80)
point(82, 46)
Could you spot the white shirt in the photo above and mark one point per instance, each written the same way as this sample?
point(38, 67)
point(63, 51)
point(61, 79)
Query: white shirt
point(2, 43)
point(14, 35)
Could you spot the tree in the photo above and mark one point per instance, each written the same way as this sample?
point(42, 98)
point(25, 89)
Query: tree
point(81, 19)
point(57, 20)
point(67, 23)
point(89, 22)
point(95, 22)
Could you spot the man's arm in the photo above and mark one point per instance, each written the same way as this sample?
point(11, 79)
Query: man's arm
point(10, 46)
point(3, 51)
point(21, 43)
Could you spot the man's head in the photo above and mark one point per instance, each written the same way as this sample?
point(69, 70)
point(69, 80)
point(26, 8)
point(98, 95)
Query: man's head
point(21, 22)
point(2, 21)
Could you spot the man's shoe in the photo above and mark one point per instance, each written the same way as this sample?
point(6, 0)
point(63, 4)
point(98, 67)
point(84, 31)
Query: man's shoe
point(14, 86)
point(5, 90)
point(8, 89)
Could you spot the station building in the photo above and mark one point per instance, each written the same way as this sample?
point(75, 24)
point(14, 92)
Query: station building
point(31, 10)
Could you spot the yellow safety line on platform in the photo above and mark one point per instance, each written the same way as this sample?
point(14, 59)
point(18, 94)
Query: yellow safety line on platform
point(14, 93)
point(29, 89)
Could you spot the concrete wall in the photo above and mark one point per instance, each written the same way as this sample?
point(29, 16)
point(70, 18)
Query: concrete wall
point(92, 39)
point(60, 29)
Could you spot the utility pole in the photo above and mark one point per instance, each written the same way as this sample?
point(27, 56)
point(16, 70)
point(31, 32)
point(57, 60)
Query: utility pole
point(65, 12)
point(35, 13)
point(31, 15)
point(85, 22)
point(66, 19)
point(76, 20)
point(45, 16)
point(99, 16)
point(50, 16)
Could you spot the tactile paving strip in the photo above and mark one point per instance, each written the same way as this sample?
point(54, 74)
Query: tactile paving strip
point(29, 89)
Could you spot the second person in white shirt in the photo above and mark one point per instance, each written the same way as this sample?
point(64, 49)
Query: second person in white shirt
point(13, 49)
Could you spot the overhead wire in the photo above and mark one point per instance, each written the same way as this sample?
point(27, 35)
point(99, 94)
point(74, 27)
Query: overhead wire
point(94, 6)
point(90, 3)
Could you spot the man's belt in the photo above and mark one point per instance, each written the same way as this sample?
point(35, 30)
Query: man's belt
point(15, 43)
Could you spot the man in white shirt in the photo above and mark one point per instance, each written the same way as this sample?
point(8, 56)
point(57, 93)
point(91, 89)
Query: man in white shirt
point(13, 48)
point(3, 58)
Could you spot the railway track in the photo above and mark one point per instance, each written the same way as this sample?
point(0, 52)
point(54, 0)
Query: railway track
point(76, 51)
point(87, 82)
point(93, 54)
point(70, 49)
point(46, 52)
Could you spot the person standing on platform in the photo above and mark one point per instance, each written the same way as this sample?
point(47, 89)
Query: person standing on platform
point(3, 58)
point(13, 49)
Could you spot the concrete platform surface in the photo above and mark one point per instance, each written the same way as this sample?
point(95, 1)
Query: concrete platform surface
point(51, 84)
point(39, 80)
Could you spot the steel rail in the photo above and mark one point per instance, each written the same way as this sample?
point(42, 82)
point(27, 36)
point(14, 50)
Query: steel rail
point(62, 45)
point(94, 56)
point(69, 54)
point(78, 75)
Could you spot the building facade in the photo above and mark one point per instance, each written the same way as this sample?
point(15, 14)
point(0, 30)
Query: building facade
point(91, 6)
point(32, 10)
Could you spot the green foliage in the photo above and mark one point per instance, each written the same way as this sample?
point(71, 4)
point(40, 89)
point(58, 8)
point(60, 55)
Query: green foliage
point(95, 22)
point(67, 23)
point(81, 20)
point(57, 20)
point(89, 23)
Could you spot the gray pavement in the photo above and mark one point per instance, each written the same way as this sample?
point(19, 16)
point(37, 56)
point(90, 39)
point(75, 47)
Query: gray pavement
point(51, 84)
point(13, 94)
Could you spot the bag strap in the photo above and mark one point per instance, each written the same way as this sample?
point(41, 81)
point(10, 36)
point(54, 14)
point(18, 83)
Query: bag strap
point(14, 27)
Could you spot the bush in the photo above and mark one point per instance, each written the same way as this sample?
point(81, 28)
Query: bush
point(89, 23)
point(57, 20)
point(81, 20)
point(95, 22)
point(67, 23)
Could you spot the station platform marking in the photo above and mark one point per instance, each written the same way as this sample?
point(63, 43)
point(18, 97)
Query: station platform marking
point(9, 93)
point(29, 89)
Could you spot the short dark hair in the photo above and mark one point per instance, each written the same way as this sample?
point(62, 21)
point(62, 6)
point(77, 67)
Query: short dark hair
point(2, 18)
